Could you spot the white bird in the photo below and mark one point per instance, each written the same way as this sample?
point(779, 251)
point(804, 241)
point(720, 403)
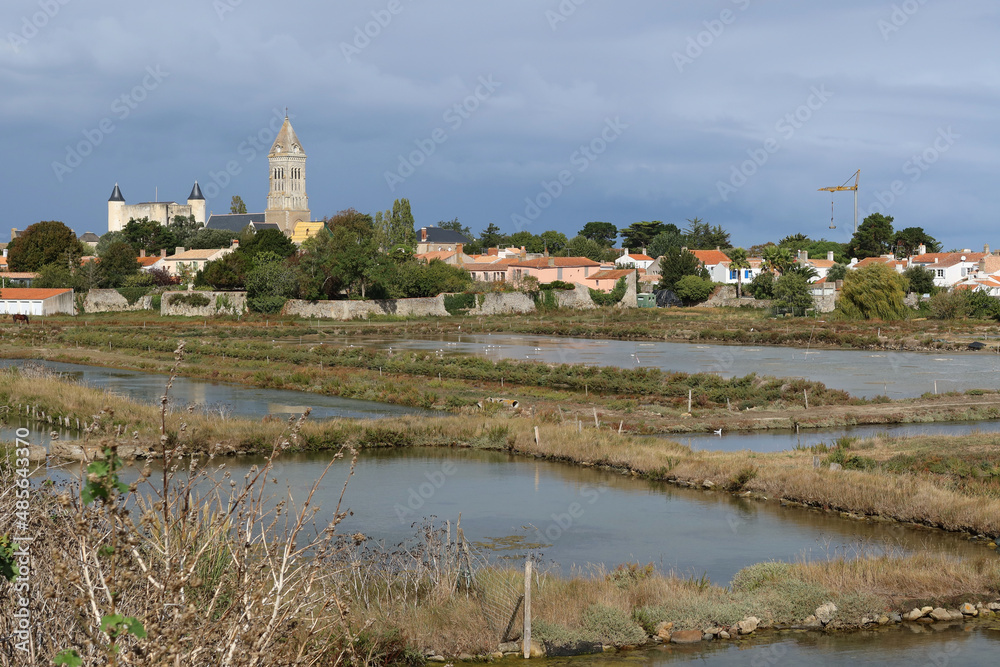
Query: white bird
point(718, 432)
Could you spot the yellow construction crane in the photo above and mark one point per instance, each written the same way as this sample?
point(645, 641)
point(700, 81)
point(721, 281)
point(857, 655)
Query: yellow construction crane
point(857, 178)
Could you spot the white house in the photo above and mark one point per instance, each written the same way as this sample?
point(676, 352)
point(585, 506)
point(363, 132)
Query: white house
point(634, 259)
point(949, 268)
point(36, 301)
point(190, 261)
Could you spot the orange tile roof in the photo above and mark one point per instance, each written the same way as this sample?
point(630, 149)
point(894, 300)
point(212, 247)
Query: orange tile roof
point(30, 293)
point(947, 258)
point(564, 262)
point(890, 261)
point(485, 266)
point(710, 257)
point(639, 257)
point(610, 274)
point(148, 261)
point(821, 263)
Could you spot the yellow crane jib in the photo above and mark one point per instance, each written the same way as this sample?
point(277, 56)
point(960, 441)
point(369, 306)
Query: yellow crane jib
point(839, 188)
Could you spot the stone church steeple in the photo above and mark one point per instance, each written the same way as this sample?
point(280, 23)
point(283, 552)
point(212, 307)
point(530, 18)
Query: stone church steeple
point(287, 202)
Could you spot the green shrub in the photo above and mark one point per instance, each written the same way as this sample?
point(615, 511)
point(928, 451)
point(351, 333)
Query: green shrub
point(456, 303)
point(268, 304)
point(133, 294)
point(156, 301)
point(611, 625)
point(193, 299)
point(612, 297)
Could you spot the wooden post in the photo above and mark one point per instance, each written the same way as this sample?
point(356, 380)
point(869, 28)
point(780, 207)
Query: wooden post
point(597, 424)
point(586, 391)
point(620, 424)
point(935, 384)
point(805, 394)
point(537, 439)
point(526, 635)
point(689, 401)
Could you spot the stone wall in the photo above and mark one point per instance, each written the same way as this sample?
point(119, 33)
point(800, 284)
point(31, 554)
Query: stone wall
point(825, 303)
point(349, 310)
point(110, 301)
point(504, 303)
point(725, 297)
point(220, 303)
point(578, 299)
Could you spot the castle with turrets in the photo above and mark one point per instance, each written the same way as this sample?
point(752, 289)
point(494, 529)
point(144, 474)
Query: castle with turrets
point(287, 202)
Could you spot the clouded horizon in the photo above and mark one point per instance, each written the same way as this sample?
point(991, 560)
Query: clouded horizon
point(529, 114)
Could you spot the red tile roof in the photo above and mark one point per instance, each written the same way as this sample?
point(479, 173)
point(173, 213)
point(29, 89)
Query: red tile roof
point(148, 261)
point(710, 257)
point(639, 257)
point(564, 262)
point(30, 293)
point(610, 274)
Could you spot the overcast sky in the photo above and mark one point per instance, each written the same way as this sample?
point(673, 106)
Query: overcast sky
point(734, 111)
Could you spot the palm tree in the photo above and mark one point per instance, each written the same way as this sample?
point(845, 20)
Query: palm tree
point(777, 259)
point(738, 262)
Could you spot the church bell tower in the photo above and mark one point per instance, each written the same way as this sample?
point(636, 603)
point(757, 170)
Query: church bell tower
point(287, 203)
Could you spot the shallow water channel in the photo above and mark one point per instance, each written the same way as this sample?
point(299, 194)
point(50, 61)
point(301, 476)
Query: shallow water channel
point(580, 516)
point(858, 372)
point(218, 398)
point(784, 440)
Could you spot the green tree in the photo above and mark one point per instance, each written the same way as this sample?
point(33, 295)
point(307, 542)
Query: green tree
point(56, 274)
point(581, 246)
point(603, 233)
point(676, 264)
point(638, 235)
point(149, 235)
point(118, 263)
point(43, 243)
point(820, 249)
point(948, 305)
point(268, 240)
point(106, 240)
point(777, 259)
point(670, 237)
point(795, 242)
point(226, 273)
point(739, 262)
point(873, 238)
point(836, 272)
point(270, 282)
point(553, 241)
point(907, 241)
point(699, 235)
point(693, 289)
point(981, 306)
point(873, 292)
point(492, 237)
point(209, 238)
point(529, 241)
point(919, 280)
point(315, 269)
point(791, 291)
point(762, 286)
point(184, 227)
point(394, 228)
point(456, 226)
point(354, 249)
point(237, 206)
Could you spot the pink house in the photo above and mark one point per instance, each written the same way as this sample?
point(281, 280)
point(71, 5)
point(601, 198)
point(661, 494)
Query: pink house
point(549, 269)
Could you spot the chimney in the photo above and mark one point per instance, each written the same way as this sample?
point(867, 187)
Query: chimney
point(803, 256)
point(458, 248)
point(178, 250)
point(552, 261)
point(921, 249)
point(423, 235)
point(644, 250)
point(986, 248)
point(235, 244)
point(142, 253)
point(829, 256)
point(163, 253)
point(546, 253)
